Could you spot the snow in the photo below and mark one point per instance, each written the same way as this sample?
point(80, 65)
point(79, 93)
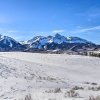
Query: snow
point(59, 39)
point(7, 40)
point(40, 41)
point(76, 40)
point(23, 42)
point(34, 73)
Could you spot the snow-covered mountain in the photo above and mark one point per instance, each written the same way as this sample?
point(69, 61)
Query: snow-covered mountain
point(8, 43)
point(58, 39)
point(59, 42)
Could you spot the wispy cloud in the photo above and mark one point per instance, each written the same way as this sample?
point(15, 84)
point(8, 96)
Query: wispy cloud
point(86, 29)
point(12, 31)
point(90, 14)
point(3, 30)
point(58, 31)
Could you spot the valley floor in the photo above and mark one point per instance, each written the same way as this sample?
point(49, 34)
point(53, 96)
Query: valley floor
point(48, 76)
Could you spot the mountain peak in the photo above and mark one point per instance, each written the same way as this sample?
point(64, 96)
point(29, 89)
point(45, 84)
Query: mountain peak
point(59, 41)
point(7, 43)
point(57, 35)
point(46, 43)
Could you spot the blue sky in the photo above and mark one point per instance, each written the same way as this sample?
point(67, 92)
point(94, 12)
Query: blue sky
point(23, 19)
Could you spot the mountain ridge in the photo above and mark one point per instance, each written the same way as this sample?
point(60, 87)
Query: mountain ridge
point(47, 43)
point(9, 44)
point(60, 42)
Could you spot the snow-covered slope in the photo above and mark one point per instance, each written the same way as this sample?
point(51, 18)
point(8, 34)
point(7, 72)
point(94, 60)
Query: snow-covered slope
point(37, 74)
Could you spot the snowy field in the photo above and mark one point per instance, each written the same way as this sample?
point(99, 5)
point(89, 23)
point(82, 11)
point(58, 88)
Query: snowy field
point(48, 76)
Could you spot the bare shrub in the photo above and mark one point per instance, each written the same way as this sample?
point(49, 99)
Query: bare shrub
point(98, 88)
point(93, 83)
point(95, 54)
point(94, 98)
point(94, 88)
point(98, 97)
point(56, 90)
point(91, 98)
point(72, 93)
point(27, 97)
point(47, 78)
point(77, 88)
point(86, 82)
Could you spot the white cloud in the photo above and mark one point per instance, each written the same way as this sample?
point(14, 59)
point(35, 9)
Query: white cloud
point(86, 29)
point(2, 30)
point(58, 31)
point(12, 31)
point(90, 14)
point(79, 27)
point(9, 32)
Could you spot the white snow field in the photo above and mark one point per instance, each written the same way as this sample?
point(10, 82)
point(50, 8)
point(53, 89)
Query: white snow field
point(48, 76)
